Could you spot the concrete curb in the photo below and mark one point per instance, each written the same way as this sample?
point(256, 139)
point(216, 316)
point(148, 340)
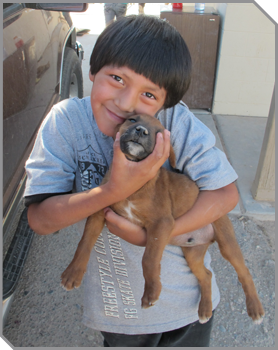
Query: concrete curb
point(241, 139)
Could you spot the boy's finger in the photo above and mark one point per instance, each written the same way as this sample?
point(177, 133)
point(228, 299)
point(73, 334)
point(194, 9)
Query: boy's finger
point(116, 144)
point(108, 214)
point(116, 147)
point(116, 220)
point(106, 210)
point(167, 143)
point(163, 144)
point(161, 151)
point(159, 146)
point(111, 217)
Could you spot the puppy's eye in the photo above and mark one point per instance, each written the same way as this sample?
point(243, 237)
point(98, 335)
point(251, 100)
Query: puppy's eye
point(132, 120)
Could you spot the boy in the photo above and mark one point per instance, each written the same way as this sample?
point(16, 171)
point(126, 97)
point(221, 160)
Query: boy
point(139, 64)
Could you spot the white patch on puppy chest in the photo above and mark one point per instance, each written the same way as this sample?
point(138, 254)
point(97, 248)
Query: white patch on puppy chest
point(128, 210)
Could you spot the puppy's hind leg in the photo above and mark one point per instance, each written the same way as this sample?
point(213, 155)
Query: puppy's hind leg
point(195, 259)
point(230, 250)
point(73, 275)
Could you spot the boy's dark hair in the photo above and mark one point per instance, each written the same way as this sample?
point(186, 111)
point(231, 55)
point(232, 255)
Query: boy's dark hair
point(149, 46)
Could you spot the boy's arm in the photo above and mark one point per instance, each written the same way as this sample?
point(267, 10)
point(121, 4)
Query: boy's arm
point(209, 206)
point(57, 212)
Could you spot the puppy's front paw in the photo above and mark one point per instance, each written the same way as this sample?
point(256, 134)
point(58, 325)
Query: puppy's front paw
point(205, 310)
point(151, 294)
point(72, 277)
point(203, 319)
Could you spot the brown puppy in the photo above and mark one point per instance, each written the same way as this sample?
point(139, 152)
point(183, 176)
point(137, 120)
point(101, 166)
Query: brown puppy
point(155, 207)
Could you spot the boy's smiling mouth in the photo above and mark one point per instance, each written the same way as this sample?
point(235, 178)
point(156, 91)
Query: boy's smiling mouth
point(115, 117)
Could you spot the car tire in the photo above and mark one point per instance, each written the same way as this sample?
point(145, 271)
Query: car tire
point(72, 80)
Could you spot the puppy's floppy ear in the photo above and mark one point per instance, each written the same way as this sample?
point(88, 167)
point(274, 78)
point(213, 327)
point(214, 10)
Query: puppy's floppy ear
point(172, 157)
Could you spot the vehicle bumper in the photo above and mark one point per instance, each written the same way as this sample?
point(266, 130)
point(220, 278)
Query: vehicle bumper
point(6, 304)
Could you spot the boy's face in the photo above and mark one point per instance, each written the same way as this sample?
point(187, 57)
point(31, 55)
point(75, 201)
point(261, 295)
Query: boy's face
point(119, 92)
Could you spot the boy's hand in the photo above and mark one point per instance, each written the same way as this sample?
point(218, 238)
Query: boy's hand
point(127, 177)
point(125, 229)
point(136, 235)
point(203, 235)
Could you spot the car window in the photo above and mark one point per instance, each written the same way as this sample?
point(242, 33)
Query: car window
point(7, 5)
point(9, 9)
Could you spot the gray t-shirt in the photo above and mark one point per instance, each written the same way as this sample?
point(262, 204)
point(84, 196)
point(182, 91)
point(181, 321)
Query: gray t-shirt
point(71, 153)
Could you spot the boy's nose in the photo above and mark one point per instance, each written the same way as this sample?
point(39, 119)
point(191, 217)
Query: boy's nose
point(126, 101)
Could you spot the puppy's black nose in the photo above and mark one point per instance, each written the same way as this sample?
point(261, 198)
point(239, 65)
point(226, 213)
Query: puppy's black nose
point(141, 130)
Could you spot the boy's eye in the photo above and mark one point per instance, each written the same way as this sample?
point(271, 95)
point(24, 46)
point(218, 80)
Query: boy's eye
point(149, 95)
point(117, 78)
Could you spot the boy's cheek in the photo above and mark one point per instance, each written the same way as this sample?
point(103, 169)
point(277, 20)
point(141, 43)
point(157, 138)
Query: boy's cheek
point(150, 110)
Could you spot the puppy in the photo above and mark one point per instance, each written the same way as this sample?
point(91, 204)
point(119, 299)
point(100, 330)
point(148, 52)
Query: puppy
point(155, 207)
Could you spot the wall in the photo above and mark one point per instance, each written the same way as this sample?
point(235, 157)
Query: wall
point(275, 10)
point(245, 73)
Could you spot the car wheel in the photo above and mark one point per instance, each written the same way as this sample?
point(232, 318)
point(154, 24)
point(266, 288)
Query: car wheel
point(72, 80)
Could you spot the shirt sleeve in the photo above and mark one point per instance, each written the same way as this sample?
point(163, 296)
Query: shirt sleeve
point(51, 166)
point(37, 198)
point(196, 154)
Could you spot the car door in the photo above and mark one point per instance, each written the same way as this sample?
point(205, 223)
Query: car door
point(29, 87)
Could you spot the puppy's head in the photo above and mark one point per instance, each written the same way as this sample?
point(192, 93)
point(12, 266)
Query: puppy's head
point(138, 137)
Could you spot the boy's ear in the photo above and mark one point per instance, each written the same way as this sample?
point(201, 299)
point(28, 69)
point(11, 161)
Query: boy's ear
point(172, 157)
point(91, 76)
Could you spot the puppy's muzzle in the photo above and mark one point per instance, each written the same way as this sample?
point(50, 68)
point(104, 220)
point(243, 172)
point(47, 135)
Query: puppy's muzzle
point(137, 142)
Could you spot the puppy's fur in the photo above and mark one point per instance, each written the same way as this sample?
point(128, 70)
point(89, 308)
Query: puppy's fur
point(155, 207)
